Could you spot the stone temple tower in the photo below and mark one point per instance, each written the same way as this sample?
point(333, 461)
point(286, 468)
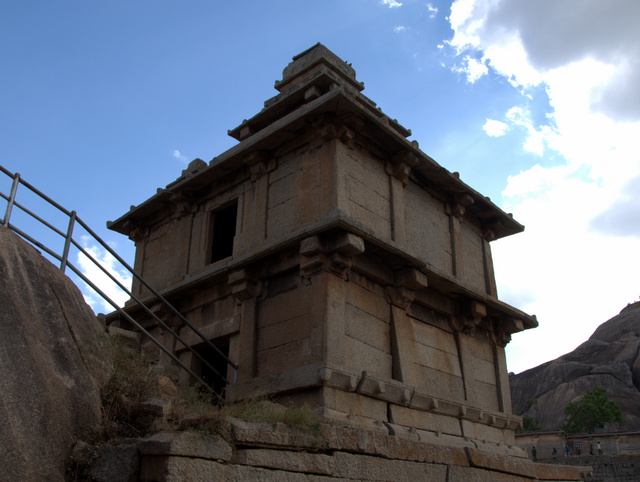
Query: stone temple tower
point(338, 265)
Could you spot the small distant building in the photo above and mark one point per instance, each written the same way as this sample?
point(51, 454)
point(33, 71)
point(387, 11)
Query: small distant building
point(580, 444)
point(337, 264)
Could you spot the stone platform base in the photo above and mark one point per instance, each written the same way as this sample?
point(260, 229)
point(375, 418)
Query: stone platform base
point(275, 452)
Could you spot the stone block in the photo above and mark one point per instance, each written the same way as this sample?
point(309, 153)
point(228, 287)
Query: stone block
point(418, 451)
point(363, 357)
point(289, 305)
point(261, 434)
point(366, 328)
point(309, 463)
point(484, 371)
point(294, 354)
point(501, 463)
point(440, 384)
point(355, 404)
point(362, 467)
point(466, 474)
point(120, 462)
point(126, 337)
point(355, 440)
point(179, 469)
point(432, 356)
point(558, 472)
point(152, 409)
point(367, 292)
point(424, 420)
point(485, 396)
point(286, 331)
point(186, 444)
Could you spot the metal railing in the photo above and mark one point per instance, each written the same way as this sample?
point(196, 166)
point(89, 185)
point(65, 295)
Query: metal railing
point(64, 263)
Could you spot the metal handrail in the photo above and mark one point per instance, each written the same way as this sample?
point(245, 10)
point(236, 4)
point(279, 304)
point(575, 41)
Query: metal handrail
point(64, 262)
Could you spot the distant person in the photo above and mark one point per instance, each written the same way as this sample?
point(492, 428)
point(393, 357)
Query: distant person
point(599, 448)
point(567, 450)
point(555, 453)
point(534, 452)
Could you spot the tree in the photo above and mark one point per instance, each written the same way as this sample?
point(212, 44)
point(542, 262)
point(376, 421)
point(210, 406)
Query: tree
point(593, 411)
point(530, 423)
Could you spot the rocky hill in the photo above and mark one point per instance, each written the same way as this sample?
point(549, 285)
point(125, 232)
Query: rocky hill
point(610, 358)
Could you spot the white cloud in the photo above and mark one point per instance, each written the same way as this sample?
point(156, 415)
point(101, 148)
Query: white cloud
point(433, 11)
point(574, 264)
point(536, 138)
point(392, 3)
point(180, 157)
point(472, 68)
point(495, 128)
point(399, 29)
point(100, 279)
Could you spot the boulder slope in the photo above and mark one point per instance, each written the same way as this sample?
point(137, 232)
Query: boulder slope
point(53, 361)
point(609, 358)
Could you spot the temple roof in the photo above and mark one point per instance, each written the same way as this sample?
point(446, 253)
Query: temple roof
point(318, 82)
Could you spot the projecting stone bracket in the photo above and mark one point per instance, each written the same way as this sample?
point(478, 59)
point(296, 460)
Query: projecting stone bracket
point(333, 252)
point(329, 129)
point(243, 285)
point(458, 206)
point(183, 204)
point(136, 231)
point(406, 282)
point(400, 166)
point(472, 314)
point(505, 327)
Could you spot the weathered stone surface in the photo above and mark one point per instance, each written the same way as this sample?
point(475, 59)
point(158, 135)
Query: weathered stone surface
point(500, 463)
point(345, 245)
point(115, 463)
point(363, 467)
point(445, 453)
point(466, 474)
point(187, 444)
point(179, 469)
point(53, 361)
point(424, 420)
point(344, 453)
point(286, 460)
point(610, 359)
point(264, 433)
point(557, 472)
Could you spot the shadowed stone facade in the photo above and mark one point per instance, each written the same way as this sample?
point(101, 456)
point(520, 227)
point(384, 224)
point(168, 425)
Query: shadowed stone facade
point(338, 265)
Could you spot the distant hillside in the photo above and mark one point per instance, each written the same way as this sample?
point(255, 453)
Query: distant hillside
point(609, 358)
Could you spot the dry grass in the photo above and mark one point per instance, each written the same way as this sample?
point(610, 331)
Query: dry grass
point(133, 382)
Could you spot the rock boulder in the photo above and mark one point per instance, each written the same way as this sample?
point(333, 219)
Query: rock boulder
point(610, 358)
point(54, 358)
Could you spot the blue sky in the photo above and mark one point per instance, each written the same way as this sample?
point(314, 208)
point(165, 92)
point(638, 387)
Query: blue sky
point(535, 104)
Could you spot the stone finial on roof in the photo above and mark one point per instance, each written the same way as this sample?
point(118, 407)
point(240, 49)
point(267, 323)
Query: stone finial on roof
point(310, 60)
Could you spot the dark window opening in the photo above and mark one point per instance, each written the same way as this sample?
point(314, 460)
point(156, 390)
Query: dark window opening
point(213, 376)
point(223, 232)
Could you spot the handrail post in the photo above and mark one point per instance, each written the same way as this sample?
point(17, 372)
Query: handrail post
point(67, 241)
point(12, 196)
